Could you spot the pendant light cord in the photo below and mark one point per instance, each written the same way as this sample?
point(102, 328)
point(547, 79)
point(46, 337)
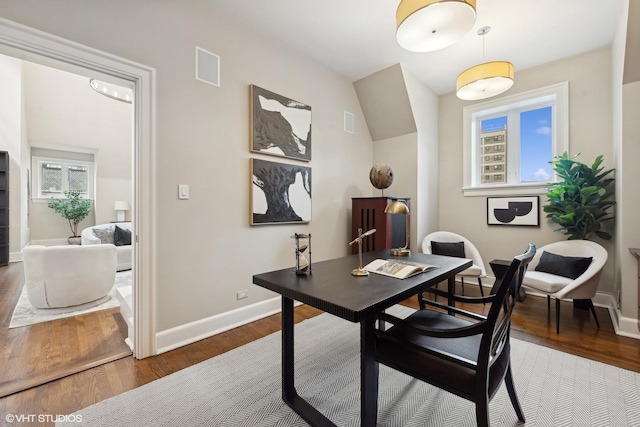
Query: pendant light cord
point(483, 32)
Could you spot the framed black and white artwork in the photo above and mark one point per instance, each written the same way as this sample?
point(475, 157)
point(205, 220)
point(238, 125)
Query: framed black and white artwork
point(279, 126)
point(280, 193)
point(523, 210)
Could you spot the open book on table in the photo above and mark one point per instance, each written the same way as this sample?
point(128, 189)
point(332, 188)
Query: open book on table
point(399, 269)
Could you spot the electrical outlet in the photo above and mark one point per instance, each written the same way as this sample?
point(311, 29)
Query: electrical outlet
point(242, 294)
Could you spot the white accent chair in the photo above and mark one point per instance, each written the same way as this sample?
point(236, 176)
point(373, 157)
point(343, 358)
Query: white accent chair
point(123, 253)
point(584, 287)
point(477, 270)
point(68, 276)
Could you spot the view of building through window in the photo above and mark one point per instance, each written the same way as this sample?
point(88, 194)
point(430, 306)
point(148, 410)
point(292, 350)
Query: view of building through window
point(55, 176)
point(528, 133)
point(493, 148)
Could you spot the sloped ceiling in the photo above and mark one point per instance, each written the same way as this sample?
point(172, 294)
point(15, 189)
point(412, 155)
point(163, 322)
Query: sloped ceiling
point(385, 103)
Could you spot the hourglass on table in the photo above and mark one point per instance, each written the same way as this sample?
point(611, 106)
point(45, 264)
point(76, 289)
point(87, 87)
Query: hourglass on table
point(303, 253)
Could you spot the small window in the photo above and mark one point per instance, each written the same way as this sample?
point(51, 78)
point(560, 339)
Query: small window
point(516, 136)
point(55, 176)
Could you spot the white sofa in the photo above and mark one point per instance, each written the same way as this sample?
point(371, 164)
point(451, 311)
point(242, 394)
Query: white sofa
point(123, 253)
point(68, 276)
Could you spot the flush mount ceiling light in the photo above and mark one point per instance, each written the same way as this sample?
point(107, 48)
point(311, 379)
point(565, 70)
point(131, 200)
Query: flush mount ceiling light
point(484, 80)
point(112, 91)
point(428, 25)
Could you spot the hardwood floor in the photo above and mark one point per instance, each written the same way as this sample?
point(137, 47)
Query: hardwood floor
point(578, 335)
point(531, 322)
point(36, 354)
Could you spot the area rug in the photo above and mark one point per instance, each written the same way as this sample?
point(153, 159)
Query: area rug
point(25, 314)
point(242, 388)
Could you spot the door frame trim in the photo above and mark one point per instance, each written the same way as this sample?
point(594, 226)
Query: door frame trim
point(27, 43)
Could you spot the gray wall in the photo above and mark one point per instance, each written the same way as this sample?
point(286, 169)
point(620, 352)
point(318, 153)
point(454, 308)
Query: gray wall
point(626, 93)
point(206, 250)
point(402, 117)
point(590, 133)
point(63, 110)
point(205, 253)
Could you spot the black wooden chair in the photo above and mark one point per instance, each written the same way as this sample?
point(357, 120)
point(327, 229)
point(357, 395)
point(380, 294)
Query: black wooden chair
point(459, 351)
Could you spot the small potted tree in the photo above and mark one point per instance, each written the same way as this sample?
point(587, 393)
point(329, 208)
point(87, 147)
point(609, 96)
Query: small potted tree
point(74, 209)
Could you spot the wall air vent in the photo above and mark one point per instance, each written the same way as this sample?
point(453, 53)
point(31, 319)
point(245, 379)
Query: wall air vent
point(207, 67)
point(348, 122)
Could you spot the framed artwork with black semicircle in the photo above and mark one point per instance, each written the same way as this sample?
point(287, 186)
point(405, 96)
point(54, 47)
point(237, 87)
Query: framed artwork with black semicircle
point(524, 210)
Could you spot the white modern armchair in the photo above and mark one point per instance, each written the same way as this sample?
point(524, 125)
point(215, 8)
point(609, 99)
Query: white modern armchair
point(68, 277)
point(563, 270)
point(466, 250)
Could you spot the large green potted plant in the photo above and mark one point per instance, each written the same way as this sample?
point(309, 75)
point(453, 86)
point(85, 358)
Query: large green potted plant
point(581, 200)
point(74, 209)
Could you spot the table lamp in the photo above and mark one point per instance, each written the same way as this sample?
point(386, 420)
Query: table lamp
point(398, 207)
point(120, 206)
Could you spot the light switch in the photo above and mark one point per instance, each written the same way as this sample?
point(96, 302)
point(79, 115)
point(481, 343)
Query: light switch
point(183, 191)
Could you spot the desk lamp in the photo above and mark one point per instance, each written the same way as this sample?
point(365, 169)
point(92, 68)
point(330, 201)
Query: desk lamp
point(360, 271)
point(398, 207)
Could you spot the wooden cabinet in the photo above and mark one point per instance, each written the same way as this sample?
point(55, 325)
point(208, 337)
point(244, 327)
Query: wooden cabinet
point(368, 213)
point(4, 208)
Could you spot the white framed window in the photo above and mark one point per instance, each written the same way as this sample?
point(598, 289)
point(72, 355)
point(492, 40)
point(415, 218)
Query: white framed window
point(53, 176)
point(509, 142)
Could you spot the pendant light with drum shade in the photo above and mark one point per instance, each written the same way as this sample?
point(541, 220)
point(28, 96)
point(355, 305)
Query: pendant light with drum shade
point(429, 25)
point(484, 80)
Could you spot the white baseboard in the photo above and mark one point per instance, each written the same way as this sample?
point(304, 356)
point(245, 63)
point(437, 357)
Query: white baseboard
point(195, 331)
point(623, 326)
point(128, 342)
point(182, 335)
point(15, 256)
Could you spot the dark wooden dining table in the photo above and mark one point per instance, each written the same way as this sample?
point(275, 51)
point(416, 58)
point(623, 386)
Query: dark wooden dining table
point(330, 287)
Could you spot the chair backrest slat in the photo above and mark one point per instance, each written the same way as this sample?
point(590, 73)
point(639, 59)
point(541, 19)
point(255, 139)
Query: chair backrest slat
point(499, 316)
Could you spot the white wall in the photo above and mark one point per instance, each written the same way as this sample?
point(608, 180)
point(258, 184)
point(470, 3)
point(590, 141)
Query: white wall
point(400, 153)
point(63, 110)
point(626, 99)
point(629, 236)
point(45, 223)
point(206, 250)
point(424, 106)
point(25, 179)
point(617, 74)
point(590, 133)
point(402, 117)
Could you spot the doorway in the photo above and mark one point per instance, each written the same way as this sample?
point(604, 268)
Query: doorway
point(28, 44)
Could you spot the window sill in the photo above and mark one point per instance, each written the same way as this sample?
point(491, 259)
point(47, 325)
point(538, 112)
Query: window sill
point(538, 188)
point(46, 199)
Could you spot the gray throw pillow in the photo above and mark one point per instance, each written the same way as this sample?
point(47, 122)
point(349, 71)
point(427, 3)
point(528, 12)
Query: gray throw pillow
point(104, 234)
point(121, 236)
